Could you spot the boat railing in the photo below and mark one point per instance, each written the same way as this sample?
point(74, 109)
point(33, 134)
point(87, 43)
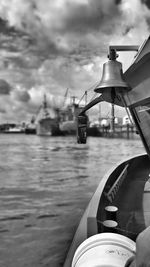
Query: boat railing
point(115, 187)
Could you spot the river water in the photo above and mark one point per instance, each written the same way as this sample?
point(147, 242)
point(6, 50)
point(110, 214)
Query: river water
point(45, 185)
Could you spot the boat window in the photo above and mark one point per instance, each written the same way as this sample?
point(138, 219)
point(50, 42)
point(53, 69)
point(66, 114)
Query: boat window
point(142, 119)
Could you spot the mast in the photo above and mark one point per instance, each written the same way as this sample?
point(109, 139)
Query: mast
point(44, 102)
point(65, 97)
point(85, 97)
point(73, 100)
point(99, 113)
point(46, 113)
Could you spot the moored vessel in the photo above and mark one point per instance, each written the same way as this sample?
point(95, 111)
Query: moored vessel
point(46, 123)
point(30, 127)
point(68, 118)
point(120, 206)
point(17, 129)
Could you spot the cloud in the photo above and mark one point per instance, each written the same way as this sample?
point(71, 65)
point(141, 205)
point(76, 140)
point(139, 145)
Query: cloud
point(3, 111)
point(54, 27)
point(21, 95)
point(5, 87)
point(90, 16)
point(60, 27)
point(48, 46)
point(146, 2)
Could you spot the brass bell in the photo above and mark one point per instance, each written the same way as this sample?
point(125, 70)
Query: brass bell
point(112, 77)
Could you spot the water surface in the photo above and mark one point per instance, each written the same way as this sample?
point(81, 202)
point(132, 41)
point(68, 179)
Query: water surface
point(45, 185)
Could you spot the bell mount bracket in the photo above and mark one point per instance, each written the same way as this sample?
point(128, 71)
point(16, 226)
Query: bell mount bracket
point(112, 55)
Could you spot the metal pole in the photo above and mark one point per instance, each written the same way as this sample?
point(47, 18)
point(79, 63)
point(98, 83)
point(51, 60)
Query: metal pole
point(99, 117)
point(112, 122)
point(124, 47)
point(85, 97)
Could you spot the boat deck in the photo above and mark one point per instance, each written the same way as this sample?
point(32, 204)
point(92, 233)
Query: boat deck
point(133, 199)
point(127, 188)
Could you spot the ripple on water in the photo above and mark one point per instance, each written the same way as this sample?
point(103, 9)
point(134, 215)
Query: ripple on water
point(45, 185)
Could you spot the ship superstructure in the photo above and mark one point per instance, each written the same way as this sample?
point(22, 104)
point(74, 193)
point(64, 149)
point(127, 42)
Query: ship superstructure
point(68, 117)
point(46, 122)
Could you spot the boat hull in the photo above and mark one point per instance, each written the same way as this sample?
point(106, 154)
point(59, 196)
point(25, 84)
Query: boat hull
point(126, 187)
point(68, 127)
point(13, 131)
point(47, 127)
point(30, 131)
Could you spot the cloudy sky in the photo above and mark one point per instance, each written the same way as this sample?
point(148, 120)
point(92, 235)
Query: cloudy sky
point(47, 46)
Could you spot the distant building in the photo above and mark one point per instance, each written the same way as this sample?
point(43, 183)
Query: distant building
point(126, 120)
point(104, 122)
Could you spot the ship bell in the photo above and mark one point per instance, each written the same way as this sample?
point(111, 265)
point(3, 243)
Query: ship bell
point(112, 78)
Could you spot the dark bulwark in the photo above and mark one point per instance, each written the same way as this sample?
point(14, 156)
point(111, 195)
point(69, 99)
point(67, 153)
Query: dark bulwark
point(127, 187)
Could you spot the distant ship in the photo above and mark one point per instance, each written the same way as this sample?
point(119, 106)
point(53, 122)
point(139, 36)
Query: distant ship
point(12, 128)
point(46, 124)
point(68, 118)
point(15, 130)
point(31, 127)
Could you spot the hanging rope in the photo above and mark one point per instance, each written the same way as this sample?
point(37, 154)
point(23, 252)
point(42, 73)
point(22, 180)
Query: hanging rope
point(88, 90)
point(93, 86)
point(93, 97)
point(82, 97)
